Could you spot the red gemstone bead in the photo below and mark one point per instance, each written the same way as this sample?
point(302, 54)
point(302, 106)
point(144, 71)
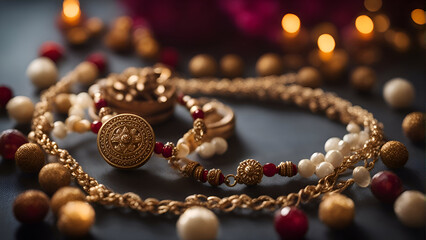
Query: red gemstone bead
point(386, 186)
point(101, 103)
point(180, 99)
point(269, 169)
point(99, 60)
point(294, 169)
point(221, 178)
point(167, 151)
point(198, 114)
point(204, 177)
point(5, 95)
point(51, 50)
point(10, 141)
point(291, 223)
point(158, 148)
point(169, 56)
point(95, 126)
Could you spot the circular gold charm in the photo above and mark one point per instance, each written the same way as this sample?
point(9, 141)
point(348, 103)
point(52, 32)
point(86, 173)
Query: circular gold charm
point(126, 141)
point(249, 172)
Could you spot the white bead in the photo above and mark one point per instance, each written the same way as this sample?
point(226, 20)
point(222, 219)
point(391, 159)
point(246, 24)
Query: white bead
point(317, 158)
point(220, 145)
point(399, 93)
point(183, 150)
point(306, 168)
point(106, 118)
point(197, 223)
point(363, 137)
point(206, 150)
point(59, 130)
point(70, 121)
point(331, 144)
point(409, 207)
point(48, 116)
point(353, 128)
point(344, 148)
point(180, 141)
point(324, 169)
point(42, 72)
point(361, 176)
point(21, 109)
point(95, 88)
point(76, 110)
point(334, 157)
point(352, 139)
point(84, 100)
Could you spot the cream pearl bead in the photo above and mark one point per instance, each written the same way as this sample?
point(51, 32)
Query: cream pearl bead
point(84, 100)
point(409, 207)
point(335, 157)
point(317, 158)
point(42, 72)
point(362, 137)
point(76, 110)
point(180, 141)
point(206, 150)
point(183, 150)
point(344, 148)
point(70, 121)
point(353, 128)
point(306, 168)
point(361, 176)
point(399, 93)
point(352, 139)
point(331, 144)
point(220, 145)
point(48, 116)
point(59, 130)
point(87, 72)
point(106, 118)
point(324, 169)
point(21, 109)
point(197, 223)
point(82, 126)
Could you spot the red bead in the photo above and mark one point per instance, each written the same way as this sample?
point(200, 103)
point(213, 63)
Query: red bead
point(291, 223)
point(51, 50)
point(101, 103)
point(95, 126)
point(294, 169)
point(169, 56)
point(269, 169)
point(10, 141)
point(198, 114)
point(5, 95)
point(99, 60)
point(181, 99)
point(204, 177)
point(221, 178)
point(158, 148)
point(167, 151)
point(386, 186)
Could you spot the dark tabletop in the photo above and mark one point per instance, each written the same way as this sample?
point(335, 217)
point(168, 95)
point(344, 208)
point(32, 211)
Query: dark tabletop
point(268, 132)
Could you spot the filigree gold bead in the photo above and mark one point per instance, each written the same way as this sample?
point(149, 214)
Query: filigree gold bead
point(249, 172)
point(287, 169)
point(394, 154)
point(197, 174)
point(214, 177)
point(189, 168)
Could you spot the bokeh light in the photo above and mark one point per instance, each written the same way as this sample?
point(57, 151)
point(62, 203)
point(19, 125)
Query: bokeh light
point(290, 23)
point(71, 8)
point(373, 5)
point(418, 16)
point(326, 43)
point(381, 23)
point(364, 24)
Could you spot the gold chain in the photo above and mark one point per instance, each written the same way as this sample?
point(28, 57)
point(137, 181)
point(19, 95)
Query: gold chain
point(267, 88)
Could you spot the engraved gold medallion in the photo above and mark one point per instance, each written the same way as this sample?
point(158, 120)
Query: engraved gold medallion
point(126, 141)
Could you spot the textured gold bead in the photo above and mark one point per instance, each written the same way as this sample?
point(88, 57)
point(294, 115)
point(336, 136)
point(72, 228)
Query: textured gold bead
point(76, 218)
point(363, 79)
point(336, 210)
point(232, 66)
point(249, 172)
point(309, 77)
point(31, 206)
point(203, 65)
point(213, 177)
point(285, 169)
point(53, 176)
point(197, 174)
point(189, 168)
point(394, 154)
point(30, 158)
point(64, 195)
point(269, 64)
point(414, 126)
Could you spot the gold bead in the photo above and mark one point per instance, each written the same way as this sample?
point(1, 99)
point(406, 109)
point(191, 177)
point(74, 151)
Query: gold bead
point(203, 65)
point(232, 65)
point(198, 173)
point(31, 206)
point(53, 176)
point(30, 158)
point(76, 218)
point(249, 172)
point(269, 64)
point(63, 103)
point(148, 48)
point(414, 126)
point(309, 77)
point(65, 195)
point(213, 176)
point(189, 169)
point(336, 210)
point(394, 154)
point(363, 79)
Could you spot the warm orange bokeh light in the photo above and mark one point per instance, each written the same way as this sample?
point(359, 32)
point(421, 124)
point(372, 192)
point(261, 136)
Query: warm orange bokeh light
point(71, 11)
point(326, 43)
point(290, 23)
point(364, 24)
point(418, 16)
point(381, 23)
point(373, 5)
